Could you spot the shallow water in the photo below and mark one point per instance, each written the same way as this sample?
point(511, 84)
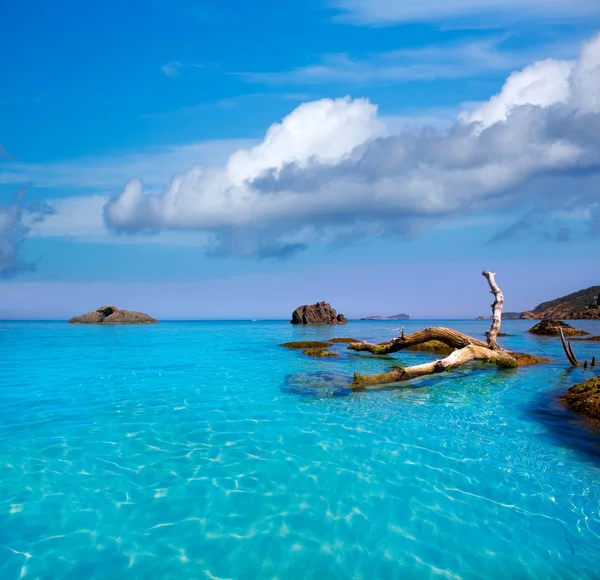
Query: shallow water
point(204, 450)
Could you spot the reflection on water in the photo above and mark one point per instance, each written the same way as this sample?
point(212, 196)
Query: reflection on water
point(204, 450)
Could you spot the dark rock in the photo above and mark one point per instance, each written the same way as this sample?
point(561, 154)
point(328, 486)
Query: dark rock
point(525, 360)
point(112, 315)
point(584, 399)
point(318, 353)
point(320, 313)
point(306, 344)
point(551, 327)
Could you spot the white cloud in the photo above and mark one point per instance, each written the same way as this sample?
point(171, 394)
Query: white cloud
point(543, 84)
point(328, 171)
point(322, 131)
point(492, 11)
point(460, 60)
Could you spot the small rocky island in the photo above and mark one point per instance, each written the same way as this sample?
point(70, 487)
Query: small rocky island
point(393, 317)
point(112, 315)
point(319, 313)
point(551, 327)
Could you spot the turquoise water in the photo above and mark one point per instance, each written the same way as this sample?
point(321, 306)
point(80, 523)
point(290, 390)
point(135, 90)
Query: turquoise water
point(204, 450)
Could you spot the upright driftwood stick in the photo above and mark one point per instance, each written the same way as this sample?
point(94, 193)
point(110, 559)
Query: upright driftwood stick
point(492, 334)
point(568, 349)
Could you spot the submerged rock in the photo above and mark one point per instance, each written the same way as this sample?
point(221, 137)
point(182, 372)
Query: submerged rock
point(320, 313)
point(525, 360)
point(318, 353)
point(551, 327)
point(433, 347)
point(584, 399)
point(344, 340)
point(306, 344)
point(112, 315)
point(317, 384)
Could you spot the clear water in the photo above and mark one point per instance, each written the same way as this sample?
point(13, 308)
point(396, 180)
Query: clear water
point(204, 450)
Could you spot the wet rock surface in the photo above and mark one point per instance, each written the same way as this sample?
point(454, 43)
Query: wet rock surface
point(584, 399)
point(551, 327)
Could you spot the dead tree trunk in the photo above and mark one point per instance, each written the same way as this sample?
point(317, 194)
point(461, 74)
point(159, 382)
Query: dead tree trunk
point(448, 336)
point(468, 348)
point(492, 334)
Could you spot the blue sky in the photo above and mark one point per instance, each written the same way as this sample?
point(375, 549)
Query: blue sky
point(364, 194)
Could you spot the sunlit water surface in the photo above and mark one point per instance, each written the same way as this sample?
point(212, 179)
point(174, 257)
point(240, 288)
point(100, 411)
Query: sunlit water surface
point(204, 450)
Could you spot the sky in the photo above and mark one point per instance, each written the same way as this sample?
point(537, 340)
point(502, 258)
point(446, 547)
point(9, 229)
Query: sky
point(208, 160)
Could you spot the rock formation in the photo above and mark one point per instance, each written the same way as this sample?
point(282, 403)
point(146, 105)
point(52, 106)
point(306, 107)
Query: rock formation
point(551, 327)
point(584, 399)
point(320, 313)
point(112, 315)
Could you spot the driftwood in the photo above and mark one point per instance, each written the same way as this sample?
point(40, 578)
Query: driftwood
point(468, 349)
point(492, 334)
point(568, 348)
point(448, 336)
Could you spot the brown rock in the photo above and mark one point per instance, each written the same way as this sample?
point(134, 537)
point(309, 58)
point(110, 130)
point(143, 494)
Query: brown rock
point(584, 399)
point(320, 313)
point(112, 315)
point(550, 327)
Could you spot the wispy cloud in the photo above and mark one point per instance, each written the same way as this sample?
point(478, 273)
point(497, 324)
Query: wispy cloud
point(156, 166)
point(229, 102)
point(175, 67)
point(491, 12)
point(425, 63)
point(4, 154)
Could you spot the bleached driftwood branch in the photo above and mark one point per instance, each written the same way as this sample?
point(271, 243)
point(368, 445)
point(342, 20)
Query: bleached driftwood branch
point(456, 359)
point(468, 349)
point(492, 334)
point(452, 338)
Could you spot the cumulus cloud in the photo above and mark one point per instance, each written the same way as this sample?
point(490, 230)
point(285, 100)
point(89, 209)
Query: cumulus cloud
point(329, 170)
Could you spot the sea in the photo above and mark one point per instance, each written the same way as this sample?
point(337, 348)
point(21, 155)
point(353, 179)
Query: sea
point(206, 450)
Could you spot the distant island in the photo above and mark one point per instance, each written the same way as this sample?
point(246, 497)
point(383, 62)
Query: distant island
point(112, 315)
point(505, 316)
point(394, 317)
point(582, 305)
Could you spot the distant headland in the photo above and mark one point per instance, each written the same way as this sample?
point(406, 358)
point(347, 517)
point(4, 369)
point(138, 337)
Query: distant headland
point(581, 305)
